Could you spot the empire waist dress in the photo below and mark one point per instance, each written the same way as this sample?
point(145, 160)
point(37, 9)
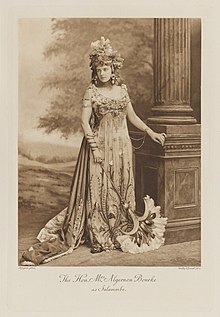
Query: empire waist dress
point(102, 199)
point(111, 184)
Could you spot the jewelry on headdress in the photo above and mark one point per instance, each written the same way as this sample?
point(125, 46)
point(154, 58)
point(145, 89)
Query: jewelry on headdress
point(103, 54)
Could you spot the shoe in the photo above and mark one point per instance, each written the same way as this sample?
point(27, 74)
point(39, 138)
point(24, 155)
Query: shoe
point(96, 250)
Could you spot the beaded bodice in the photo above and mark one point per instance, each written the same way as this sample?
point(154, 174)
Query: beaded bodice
point(103, 105)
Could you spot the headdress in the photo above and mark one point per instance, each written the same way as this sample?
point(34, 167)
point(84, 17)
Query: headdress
point(102, 53)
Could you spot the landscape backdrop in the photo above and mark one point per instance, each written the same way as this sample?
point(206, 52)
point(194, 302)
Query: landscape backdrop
point(53, 75)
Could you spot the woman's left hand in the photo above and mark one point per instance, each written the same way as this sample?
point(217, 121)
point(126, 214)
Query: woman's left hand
point(158, 137)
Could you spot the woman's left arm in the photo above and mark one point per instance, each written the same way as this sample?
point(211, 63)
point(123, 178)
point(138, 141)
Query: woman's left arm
point(138, 123)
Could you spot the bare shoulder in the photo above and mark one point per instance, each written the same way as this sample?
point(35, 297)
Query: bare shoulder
point(88, 92)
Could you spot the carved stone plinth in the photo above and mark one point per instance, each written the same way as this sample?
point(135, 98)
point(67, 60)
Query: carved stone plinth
point(171, 176)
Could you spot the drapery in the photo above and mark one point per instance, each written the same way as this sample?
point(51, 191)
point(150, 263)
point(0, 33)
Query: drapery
point(71, 225)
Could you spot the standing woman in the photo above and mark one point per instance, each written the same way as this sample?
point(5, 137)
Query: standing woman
point(101, 208)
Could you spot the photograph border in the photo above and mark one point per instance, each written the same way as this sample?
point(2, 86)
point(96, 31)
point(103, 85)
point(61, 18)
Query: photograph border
point(175, 288)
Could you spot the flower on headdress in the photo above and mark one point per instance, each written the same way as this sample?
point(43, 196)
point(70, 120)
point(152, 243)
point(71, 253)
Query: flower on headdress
point(102, 52)
point(101, 46)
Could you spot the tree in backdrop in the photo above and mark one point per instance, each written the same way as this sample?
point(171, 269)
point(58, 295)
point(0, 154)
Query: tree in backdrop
point(70, 75)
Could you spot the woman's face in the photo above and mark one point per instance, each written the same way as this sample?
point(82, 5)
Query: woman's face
point(104, 73)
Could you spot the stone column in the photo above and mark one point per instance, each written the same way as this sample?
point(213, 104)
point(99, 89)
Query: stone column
point(171, 174)
point(172, 72)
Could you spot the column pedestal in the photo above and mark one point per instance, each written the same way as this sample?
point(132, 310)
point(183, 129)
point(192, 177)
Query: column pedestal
point(171, 176)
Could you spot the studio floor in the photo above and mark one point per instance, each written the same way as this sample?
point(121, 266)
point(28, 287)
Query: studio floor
point(184, 254)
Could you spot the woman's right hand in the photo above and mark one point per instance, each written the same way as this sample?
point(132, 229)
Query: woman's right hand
point(97, 156)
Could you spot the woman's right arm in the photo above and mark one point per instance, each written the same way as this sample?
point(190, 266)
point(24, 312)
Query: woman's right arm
point(85, 119)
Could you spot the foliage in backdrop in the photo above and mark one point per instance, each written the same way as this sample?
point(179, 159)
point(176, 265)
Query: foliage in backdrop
point(69, 50)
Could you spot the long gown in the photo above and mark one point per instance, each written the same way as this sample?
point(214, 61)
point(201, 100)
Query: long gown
point(101, 208)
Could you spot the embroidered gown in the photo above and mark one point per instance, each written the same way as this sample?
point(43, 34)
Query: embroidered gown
point(102, 200)
point(111, 184)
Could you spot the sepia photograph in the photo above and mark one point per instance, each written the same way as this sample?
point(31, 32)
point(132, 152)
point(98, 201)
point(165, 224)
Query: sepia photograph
point(109, 148)
point(109, 142)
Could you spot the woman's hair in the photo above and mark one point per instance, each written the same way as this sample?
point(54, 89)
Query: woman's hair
point(103, 54)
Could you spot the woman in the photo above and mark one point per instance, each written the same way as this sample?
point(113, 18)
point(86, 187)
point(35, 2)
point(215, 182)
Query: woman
point(101, 208)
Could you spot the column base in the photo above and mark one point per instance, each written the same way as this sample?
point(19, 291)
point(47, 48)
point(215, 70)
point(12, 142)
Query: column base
point(183, 230)
point(171, 120)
